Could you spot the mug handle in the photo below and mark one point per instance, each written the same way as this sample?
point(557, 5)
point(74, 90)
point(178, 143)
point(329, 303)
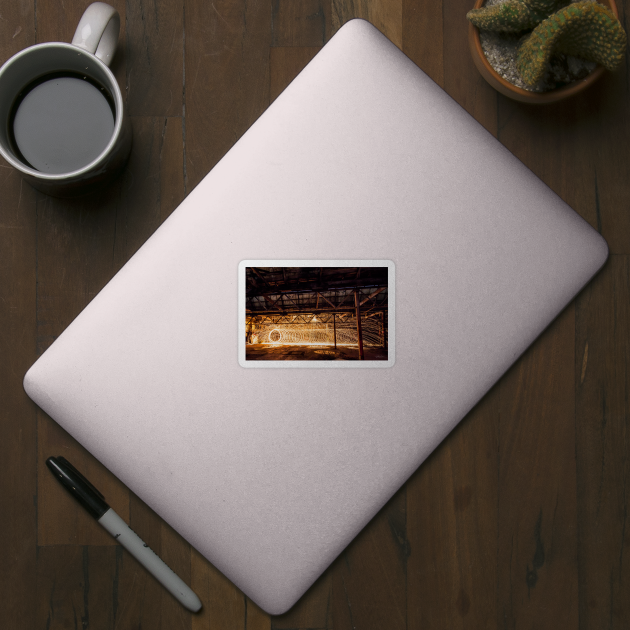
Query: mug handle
point(98, 30)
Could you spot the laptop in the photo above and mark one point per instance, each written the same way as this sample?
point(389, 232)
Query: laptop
point(364, 196)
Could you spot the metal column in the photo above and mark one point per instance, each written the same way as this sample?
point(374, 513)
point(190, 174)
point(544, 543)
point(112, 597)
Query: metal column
point(359, 330)
point(335, 329)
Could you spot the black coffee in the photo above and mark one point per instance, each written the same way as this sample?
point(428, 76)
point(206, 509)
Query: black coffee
point(61, 123)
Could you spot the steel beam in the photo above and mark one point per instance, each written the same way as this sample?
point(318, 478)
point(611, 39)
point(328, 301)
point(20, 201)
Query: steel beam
point(369, 297)
point(305, 311)
point(325, 298)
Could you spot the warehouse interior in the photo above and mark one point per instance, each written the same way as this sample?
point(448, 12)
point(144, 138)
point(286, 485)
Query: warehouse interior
point(316, 313)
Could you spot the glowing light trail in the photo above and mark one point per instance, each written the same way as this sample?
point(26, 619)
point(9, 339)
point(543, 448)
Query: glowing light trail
point(317, 334)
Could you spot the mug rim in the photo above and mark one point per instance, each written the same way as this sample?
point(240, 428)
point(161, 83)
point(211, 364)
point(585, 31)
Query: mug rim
point(118, 122)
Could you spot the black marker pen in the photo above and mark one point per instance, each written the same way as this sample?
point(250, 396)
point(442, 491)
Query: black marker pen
point(94, 502)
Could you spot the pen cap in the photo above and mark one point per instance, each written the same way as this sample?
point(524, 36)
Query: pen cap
point(78, 486)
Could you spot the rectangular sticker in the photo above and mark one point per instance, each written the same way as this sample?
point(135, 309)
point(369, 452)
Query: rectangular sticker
point(316, 313)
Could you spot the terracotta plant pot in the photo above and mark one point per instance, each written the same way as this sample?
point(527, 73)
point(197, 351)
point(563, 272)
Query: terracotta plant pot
point(519, 94)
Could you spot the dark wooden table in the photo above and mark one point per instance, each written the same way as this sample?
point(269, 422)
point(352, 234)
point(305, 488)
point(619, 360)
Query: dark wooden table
point(518, 520)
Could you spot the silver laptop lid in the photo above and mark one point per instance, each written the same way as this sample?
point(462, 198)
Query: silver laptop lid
point(362, 161)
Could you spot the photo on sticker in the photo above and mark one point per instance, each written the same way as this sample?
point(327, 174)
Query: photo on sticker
point(316, 313)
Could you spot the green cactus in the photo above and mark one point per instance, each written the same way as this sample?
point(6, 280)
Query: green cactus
point(584, 29)
point(513, 16)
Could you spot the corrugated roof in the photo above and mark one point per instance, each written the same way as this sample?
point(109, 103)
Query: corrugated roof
point(314, 289)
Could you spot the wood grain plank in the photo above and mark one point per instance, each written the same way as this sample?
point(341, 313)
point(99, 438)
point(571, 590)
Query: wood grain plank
point(61, 520)
point(141, 601)
point(171, 157)
point(17, 28)
point(461, 78)
point(154, 57)
point(313, 609)
point(608, 137)
point(608, 124)
point(386, 15)
point(224, 606)
point(60, 601)
point(101, 586)
point(369, 577)
point(74, 248)
point(226, 78)
point(76, 587)
point(603, 443)
point(18, 420)
point(285, 64)
point(423, 36)
point(256, 618)
point(558, 147)
point(572, 147)
point(537, 536)
point(565, 147)
point(152, 185)
point(452, 527)
point(57, 22)
point(300, 22)
point(18, 416)
point(147, 602)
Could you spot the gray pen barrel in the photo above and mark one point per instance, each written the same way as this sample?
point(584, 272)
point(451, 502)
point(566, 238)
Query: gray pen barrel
point(149, 559)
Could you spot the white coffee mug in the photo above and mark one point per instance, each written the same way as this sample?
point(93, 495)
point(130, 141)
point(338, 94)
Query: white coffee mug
point(105, 142)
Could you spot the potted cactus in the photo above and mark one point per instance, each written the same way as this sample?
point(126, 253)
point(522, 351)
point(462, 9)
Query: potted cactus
point(558, 49)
